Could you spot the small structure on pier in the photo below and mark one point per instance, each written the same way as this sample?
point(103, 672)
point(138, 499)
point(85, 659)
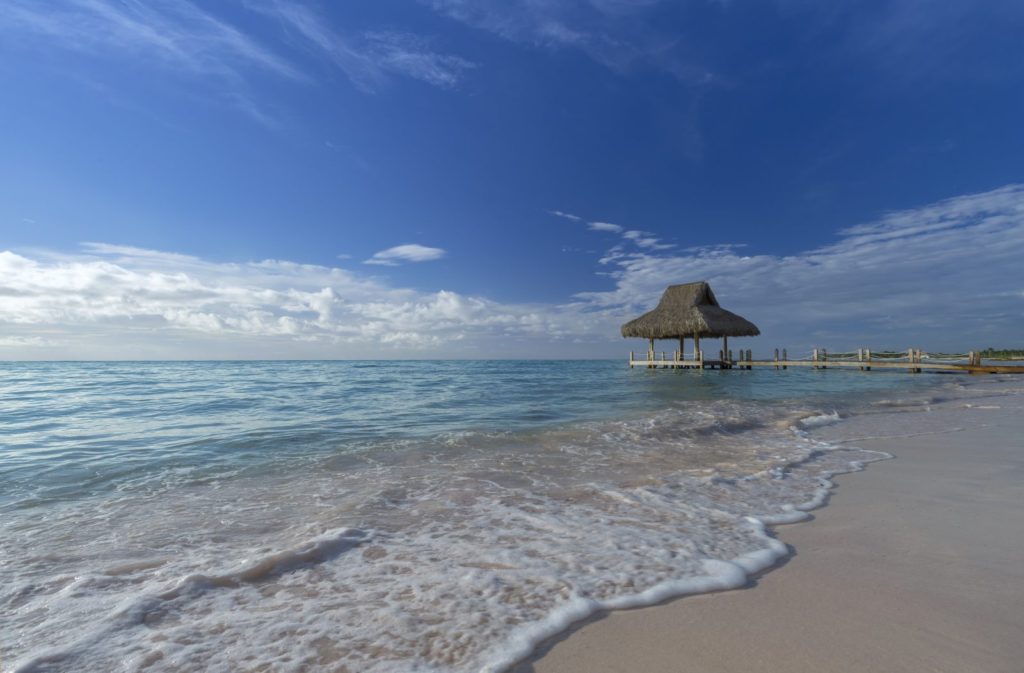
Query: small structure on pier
point(689, 310)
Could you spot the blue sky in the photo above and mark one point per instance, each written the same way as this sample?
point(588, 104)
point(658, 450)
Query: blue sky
point(504, 178)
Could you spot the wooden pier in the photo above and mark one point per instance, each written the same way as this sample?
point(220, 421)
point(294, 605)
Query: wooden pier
point(912, 360)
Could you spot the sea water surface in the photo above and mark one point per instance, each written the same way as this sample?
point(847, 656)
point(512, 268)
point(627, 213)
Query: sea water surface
point(396, 516)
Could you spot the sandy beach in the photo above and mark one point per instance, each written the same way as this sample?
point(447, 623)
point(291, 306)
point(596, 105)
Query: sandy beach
point(915, 565)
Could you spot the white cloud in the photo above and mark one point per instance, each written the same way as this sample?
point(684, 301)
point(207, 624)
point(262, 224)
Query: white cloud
point(567, 216)
point(645, 239)
point(115, 301)
point(410, 252)
point(641, 239)
point(943, 276)
point(25, 342)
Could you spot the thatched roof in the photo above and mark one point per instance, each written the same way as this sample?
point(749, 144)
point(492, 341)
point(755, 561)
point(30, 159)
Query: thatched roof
point(685, 310)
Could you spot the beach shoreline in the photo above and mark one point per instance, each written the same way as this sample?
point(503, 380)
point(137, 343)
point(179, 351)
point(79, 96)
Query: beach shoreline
point(462, 547)
point(913, 566)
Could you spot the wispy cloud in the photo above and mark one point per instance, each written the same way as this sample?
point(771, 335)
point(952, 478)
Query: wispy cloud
point(645, 239)
point(368, 58)
point(175, 36)
point(410, 252)
point(176, 33)
point(941, 274)
point(605, 226)
point(641, 239)
point(618, 34)
point(412, 55)
point(318, 34)
point(567, 216)
point(184, 39)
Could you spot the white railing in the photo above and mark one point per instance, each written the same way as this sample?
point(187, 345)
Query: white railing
point(819, 358)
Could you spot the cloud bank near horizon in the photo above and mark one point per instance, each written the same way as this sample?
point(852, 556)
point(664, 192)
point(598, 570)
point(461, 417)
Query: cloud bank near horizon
point(940, 276)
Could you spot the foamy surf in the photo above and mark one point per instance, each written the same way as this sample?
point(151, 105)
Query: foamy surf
point(818, 420)
point(470, 565)
point(453, 552)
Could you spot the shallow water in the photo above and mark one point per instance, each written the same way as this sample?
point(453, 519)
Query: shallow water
point(380, 516)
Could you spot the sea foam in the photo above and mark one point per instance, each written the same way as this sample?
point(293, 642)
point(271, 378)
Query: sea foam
point(461, 558)
point(453, 552)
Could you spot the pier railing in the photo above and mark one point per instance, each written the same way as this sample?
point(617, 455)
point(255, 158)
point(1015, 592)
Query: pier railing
point(913, 360)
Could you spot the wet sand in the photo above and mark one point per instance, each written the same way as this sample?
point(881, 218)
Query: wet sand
point(916, 565)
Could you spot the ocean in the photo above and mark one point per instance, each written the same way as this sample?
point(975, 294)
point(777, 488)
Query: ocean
point(379, 517)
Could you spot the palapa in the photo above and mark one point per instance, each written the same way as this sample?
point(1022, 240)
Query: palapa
point(689, 310)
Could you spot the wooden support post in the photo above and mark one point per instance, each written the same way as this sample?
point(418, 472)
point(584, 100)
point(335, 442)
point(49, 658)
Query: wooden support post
point(682, 348)
point(867, 358)
point(630, 359)
point(725, 347)
point(784, 358)
point(776, 359)
point(910, 358)
point(750, 358)
point(814, 357)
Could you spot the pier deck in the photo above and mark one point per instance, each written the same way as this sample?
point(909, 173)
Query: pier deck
point(914, 362)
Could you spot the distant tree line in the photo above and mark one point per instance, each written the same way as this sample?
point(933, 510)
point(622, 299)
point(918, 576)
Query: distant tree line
point(1003, 353)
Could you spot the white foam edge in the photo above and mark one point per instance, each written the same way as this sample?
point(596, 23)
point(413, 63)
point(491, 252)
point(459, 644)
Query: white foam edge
point(133, 610)
point(799, 512)
point(720, 576)
point(818, 420)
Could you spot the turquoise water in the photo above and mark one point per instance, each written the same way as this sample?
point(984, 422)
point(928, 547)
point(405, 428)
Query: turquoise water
point(388, 516)
point(73, 429)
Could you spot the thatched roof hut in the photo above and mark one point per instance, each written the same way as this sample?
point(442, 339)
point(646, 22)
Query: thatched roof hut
point(689, 310)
